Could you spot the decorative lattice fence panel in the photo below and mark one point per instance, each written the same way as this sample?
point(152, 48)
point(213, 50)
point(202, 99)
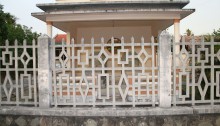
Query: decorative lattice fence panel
point(109, 73)
point(18, 74)
point(196, 73)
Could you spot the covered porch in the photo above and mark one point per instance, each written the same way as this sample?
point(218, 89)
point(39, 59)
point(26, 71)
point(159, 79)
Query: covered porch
point(113, 19)
point(111, 50)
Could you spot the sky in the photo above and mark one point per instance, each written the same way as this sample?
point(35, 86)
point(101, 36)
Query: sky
point(203, 21)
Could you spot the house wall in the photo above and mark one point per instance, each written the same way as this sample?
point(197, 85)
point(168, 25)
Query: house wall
point(107, 32)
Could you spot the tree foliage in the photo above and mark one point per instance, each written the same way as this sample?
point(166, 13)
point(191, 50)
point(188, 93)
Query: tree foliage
point(216, 37)
point(189, 32)
point(10, 30)
point(216, 33)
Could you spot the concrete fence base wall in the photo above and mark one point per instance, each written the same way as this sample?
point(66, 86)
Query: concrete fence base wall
point(180, 120)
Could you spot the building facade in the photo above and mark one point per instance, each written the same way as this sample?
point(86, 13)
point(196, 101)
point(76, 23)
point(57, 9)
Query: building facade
point(113, 18)
point(95, 25)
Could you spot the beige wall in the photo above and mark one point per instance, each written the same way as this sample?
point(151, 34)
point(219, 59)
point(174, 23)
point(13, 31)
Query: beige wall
point(118, 32)
point(108, 32)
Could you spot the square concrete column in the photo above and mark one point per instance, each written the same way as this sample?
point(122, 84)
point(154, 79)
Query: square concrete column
point(165, 69)
point(177, 30)
point(49, 28)
point(68, 42)
point(44, 74)
point(177, 37)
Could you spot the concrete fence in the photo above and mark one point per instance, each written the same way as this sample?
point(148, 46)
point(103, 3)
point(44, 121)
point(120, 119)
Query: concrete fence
point(135, 73)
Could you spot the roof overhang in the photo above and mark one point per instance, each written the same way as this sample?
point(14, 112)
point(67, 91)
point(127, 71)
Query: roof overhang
point(110, 5)
point(96, 18)
point(69, 16)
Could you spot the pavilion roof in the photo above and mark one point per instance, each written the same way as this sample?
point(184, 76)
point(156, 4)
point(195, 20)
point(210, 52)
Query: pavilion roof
point(112, 5)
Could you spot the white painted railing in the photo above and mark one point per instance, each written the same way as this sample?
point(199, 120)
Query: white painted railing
point(18, 74)
point(196, 73)
point(130, 73)
point(114, 74)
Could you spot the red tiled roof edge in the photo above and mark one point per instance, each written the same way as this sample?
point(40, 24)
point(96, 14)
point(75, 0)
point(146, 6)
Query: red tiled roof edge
point(59, 37)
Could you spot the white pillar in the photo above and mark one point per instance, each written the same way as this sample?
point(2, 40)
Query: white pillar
point(68, 42)
point(165, 70)
point(68, 38)
point(177, 33)
point(44, 73)
point(177, 37)
point(49, 28)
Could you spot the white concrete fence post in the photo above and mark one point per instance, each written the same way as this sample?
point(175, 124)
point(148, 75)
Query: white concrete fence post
point(44, 71)
point(164, 70)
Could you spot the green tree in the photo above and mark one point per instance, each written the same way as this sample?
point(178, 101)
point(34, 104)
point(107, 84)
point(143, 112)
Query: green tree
point(10, 30)
point(216, 36)
point(217, 33)
point(189, 32)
